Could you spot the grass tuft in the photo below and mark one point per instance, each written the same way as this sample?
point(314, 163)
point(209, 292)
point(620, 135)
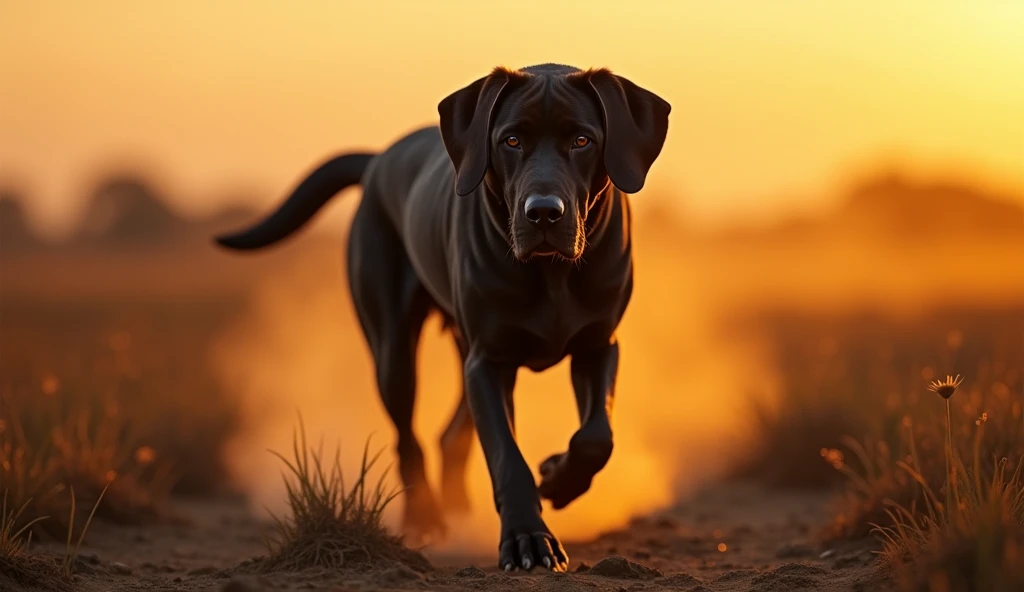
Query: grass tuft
point(969, 535)
point(330, 526)
point(18, 568)
point(71, 554)
point(910, 468)
point(936, 476)
point(51, 443)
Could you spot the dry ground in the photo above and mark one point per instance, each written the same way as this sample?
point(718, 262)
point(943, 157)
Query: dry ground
point(768, 539)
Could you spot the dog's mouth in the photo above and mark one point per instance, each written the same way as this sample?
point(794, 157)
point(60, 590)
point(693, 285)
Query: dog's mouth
point(545, 248)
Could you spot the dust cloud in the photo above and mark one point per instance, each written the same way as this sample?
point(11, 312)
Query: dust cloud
point(689, 366)
point(298, 349)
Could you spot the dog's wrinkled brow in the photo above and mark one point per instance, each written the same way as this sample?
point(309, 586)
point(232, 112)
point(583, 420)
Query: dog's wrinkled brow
point(547, 104)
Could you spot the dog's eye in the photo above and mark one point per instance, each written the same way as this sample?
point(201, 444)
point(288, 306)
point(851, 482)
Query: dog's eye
point(581, 142)
point(512, 142)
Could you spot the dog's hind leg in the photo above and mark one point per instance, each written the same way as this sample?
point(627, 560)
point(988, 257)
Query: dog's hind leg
point(566, 476)
point(456, 443)
point(392, 306)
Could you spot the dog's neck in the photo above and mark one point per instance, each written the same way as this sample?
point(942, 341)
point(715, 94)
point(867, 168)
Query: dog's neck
point(601, 213)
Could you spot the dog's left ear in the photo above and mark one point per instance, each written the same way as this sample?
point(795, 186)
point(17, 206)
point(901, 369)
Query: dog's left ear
point(466, 126)
point(636, 123)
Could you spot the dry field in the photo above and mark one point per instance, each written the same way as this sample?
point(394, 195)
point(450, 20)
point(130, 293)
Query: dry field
point(775, 430)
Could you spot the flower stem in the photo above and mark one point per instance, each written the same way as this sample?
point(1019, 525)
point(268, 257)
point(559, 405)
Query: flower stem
point(952, 495)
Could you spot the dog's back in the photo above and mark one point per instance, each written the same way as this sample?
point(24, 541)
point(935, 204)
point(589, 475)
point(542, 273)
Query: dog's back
point(413, 181)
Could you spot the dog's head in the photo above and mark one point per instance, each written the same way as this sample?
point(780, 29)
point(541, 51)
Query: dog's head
point(548, 140)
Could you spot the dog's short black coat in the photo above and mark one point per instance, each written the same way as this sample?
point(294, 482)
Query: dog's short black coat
point(510, 219)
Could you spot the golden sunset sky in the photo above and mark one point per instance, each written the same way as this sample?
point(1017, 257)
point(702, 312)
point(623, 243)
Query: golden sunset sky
point(776, 105)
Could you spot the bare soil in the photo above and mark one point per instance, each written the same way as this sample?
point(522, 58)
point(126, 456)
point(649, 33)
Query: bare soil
point(731, 536)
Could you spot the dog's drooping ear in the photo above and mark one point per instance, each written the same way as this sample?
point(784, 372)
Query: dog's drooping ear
point(465, 128)
point(636, 123)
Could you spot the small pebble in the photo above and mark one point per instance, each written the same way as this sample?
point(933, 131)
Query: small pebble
point(620, 567)
point(471, 572)
point(120, 568)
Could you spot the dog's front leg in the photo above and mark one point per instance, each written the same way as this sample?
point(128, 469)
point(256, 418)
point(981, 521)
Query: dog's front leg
point(566, 476)
point(525, 540)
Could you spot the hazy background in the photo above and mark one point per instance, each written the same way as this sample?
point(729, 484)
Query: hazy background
point(824, 161)
point(775, 104)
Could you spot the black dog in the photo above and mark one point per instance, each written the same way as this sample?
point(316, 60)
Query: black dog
point(523, 246)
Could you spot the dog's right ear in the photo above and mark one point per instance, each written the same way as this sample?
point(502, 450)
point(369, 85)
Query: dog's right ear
point(466, 127)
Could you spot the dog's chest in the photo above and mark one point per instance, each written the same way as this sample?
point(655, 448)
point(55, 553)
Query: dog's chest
point(566, 315)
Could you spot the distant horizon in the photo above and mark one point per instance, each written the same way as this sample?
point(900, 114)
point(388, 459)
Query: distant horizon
point(333, 216)
point(242, 196)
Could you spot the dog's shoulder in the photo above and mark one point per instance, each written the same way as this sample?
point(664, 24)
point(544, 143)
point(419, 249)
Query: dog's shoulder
point(422, 141)
point(397, 167)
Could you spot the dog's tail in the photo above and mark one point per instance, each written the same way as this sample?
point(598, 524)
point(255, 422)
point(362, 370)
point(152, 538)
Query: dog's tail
point(305, 201)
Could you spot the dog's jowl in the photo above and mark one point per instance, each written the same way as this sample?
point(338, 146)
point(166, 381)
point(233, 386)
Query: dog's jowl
point(511, 220)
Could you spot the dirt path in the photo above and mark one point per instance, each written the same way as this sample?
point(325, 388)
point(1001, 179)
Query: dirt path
point(728, 537)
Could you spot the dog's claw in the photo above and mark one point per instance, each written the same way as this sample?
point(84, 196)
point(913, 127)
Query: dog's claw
point(522, 549)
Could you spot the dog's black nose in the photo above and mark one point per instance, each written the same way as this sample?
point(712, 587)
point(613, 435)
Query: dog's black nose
point(544, 210)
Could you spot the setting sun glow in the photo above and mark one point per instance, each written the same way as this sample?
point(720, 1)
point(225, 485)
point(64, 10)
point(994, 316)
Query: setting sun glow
point(775, 103)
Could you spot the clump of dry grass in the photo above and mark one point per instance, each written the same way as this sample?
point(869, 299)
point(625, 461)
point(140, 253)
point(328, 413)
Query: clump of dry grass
point(859, 375)
point(71, 553)
point(970, 538)
point(331, 526)
point(879, 466)
point(50, 443)
point(937, 478)
point(138, 358)
point(17, 566)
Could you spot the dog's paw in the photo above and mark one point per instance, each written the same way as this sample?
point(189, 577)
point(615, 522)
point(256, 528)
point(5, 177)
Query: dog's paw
point(528, 543)
point(560, 484)
point(566, 476)
point(423, 522)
